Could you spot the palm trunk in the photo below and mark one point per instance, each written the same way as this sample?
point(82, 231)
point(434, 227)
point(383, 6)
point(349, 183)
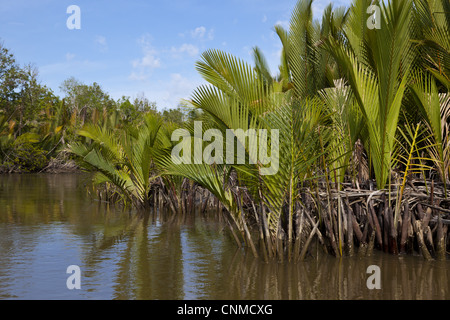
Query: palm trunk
point(405, 223)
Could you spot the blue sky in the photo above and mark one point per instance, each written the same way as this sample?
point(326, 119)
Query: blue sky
point(138, 47)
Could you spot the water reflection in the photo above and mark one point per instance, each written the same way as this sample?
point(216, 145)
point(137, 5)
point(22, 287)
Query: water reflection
point(47, 223)
point(325, 277)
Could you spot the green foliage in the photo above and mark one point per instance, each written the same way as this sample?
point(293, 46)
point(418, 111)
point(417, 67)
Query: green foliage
point(29, 110)
point(344, 95)
point(27, 157)
point(123, 159)
point(379, 87)
point(338, 84)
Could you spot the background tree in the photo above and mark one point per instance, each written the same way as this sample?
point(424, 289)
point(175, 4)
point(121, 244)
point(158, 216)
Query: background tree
point(87, 102)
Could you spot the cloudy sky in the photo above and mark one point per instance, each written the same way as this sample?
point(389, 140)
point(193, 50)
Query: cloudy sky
point(140, 47)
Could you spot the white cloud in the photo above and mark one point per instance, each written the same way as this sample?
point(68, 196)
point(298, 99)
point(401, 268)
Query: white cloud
point(200, 33)
point(179, 83)
point(137, 76)
point(142, 67)
point(100, 41)
point(211, 34)
point(179, 87)
point(188, 48)
point(283, 23)
point(149, 60)
point(264, 19)
point(70, 56)
point(248, 50)
point(167, 89)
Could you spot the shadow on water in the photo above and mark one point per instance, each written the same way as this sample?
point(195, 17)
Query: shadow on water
point(47, 223)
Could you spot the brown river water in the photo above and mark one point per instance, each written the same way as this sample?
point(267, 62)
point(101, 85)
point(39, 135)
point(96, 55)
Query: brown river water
point(48, 223)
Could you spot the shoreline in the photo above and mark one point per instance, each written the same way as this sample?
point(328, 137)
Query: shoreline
point(55, 166)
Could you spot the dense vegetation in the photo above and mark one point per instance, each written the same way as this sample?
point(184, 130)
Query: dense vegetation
point(363, 120)
point(36, 125)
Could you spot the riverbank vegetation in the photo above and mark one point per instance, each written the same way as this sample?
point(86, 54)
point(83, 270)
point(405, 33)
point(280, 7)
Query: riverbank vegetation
point(363, 122)
point(36, 125)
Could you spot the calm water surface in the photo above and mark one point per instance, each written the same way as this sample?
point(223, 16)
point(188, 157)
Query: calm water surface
point(47, 223)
